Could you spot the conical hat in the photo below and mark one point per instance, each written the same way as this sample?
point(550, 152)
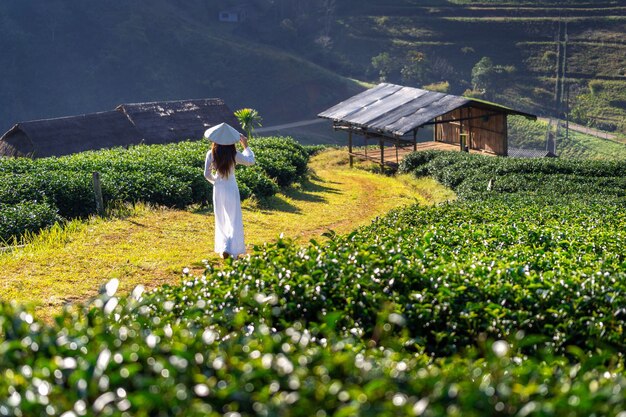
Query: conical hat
point(222, 134)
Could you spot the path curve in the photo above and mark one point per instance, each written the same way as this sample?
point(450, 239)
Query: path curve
point(152, 248)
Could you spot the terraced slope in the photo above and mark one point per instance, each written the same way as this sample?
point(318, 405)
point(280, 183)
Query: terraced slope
point(526, 40)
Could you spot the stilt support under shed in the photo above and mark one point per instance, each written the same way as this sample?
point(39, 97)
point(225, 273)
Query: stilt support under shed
point(350, 148)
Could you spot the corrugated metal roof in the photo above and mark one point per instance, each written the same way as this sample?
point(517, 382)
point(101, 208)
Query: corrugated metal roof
point(396, 110)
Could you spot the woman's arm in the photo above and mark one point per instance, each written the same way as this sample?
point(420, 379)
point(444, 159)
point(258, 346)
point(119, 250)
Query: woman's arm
point(247, 156)
point(208, 162)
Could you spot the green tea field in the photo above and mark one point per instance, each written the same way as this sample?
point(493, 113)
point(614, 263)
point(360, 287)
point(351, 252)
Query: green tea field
point(508, 301)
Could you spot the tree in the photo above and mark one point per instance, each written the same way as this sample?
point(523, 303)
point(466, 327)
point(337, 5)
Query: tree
point(482, 74)
point(384, 64)
point(414, 69)
point(249, 119)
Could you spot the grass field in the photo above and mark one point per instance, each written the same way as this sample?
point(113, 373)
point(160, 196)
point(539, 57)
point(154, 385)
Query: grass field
point(151, 246)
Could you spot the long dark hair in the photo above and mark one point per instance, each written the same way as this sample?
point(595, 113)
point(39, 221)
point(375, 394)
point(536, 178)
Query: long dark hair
point(223, 158)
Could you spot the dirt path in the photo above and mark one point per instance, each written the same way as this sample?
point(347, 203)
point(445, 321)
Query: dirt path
point(153, 247)
point(290, 125)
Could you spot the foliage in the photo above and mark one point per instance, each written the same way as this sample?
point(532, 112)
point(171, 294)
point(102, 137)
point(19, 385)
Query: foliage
point(602, 107)
point(486, 76)
point(384, 65)
point(249, 119)
point(115, 359)
point(20, 218)
point(442, 87)
point(481, 270)
point(482, 73)
point(509, 305)
point(170, 175)
point(411, 69)
point(527, 134)
point(476, 176)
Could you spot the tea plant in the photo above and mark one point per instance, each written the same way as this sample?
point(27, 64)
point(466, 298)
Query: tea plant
point(509, 302)
point(170, 175)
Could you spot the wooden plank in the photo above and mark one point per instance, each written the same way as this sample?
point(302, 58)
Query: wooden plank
point(97, 189)
point(350, 147)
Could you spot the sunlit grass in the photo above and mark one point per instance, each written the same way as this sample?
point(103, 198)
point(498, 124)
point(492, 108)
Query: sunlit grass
point(151, 246)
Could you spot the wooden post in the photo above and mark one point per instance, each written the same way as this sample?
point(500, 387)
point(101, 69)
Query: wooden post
point(414, 140)
point(382, 154)
point(505, 151)
point(350, 147)
point(469, 143)
point(365, 139)
point(461, 135)
point(397, 145)
point(97, 189)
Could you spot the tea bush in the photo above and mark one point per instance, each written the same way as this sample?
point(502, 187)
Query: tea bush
point(477, 176)
point(127, 357)
point(507, 302)
point(170, 175)
point(456, 273)
point(25, 217)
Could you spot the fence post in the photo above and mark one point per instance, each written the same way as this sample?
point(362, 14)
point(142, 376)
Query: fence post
point(97, 189)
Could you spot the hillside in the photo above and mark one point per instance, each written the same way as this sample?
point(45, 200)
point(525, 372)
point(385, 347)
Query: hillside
point(508, 301)
point(440, 43)
point(71, 58)
point(291, 59)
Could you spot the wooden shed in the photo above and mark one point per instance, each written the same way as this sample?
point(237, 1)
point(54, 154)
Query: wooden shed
point(130, 124)
point(67, 135)
point(392, 114)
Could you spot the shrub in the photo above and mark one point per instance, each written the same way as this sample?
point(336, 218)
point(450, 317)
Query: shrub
point(596, 87)
point(115, 360)
point(509, 302)
point(257, 182)
point(479, 268)
point(471, 175)
point(170, 175)
point(18, 219)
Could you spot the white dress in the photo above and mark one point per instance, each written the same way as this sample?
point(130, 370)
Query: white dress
point(227, 205)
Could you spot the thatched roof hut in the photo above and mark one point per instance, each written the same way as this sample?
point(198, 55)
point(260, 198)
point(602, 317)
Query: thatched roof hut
point(129, 124)
point(173, 121)
point(67, 135)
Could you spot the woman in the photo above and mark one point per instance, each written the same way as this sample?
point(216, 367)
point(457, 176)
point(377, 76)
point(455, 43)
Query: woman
point(219, 170)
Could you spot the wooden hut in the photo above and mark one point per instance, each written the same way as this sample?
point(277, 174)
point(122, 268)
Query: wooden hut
point(392, 114)
point(173, 121)
point(67, 135)
point(129, 124)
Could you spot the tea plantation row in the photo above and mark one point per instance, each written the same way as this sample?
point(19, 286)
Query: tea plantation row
point(477, 176)
point(119, 360)
point(456, 273)
point(36, 193)
point(508, 303)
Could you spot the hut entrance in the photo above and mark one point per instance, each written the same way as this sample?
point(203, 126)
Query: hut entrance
point(389, 116)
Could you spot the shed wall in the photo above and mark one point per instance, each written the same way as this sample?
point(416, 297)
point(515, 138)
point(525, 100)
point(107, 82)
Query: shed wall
point(485, 131)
